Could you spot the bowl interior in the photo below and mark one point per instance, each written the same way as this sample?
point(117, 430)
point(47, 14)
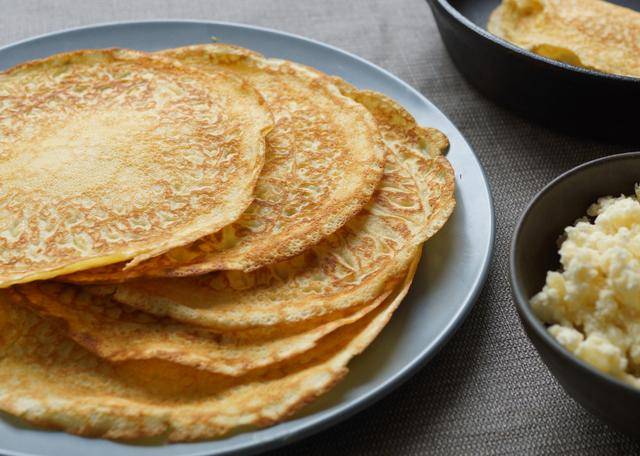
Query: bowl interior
point(559, 205)
point(478, 11)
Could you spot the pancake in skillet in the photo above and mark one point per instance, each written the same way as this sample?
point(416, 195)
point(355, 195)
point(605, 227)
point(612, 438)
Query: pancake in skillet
point(324, 160)
point(109, 155)
point(588, 33)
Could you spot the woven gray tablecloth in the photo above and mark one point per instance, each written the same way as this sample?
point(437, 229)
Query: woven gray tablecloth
point(487, 391)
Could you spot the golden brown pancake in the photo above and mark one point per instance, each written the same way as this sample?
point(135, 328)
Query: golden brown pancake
point(413, 201)
point(324, 159)
point(318, 271)
point(263, 325)
point(118, 333)
point(109, 155)
point(131, 400)
point(589, 33)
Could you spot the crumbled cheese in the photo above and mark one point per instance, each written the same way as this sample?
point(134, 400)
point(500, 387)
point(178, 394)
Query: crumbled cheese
point(593, 304)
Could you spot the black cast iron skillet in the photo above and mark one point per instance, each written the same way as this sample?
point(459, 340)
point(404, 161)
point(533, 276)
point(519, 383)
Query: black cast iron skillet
point(581, 101)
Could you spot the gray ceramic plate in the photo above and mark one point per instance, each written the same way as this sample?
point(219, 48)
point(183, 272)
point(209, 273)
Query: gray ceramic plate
point(447, 283)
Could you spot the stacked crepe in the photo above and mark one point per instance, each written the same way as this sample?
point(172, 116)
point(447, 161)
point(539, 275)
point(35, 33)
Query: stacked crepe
point(201, 239)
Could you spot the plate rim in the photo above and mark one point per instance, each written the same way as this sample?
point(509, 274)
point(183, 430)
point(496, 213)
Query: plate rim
point(348, 409)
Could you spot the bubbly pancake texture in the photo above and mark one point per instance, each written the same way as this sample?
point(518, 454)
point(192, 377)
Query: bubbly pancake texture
point(589, 33)
point(324, 159)
point(116, 332)
point(414, 199)
point(131, 400)
point(108, 155)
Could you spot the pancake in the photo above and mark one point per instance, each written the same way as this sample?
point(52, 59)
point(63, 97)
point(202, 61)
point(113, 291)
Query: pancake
point(118, 333)
point(413, 201)
point(589, 33)
point(324, 159)
point(110, 155)
point(132, 400)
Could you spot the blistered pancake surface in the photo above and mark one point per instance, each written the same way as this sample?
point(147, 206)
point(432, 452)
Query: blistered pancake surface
point(110, 155)
point(590, 33)
point(131, 400)
point(412, 202)
point(116, 332)
point(324, 159)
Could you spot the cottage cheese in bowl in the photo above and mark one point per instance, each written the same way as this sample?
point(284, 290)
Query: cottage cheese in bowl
point(593, 304)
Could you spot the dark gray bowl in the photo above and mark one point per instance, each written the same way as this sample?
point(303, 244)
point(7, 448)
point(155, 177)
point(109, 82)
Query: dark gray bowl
point(534, 252)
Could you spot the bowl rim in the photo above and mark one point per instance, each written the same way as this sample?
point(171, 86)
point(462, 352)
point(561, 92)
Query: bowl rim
point(485, 34)
point(522, 302)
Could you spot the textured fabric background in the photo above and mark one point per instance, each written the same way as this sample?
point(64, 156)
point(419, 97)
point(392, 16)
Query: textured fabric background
point(487, 391)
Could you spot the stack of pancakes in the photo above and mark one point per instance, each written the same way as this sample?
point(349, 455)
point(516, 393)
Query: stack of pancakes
point(200, 239)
